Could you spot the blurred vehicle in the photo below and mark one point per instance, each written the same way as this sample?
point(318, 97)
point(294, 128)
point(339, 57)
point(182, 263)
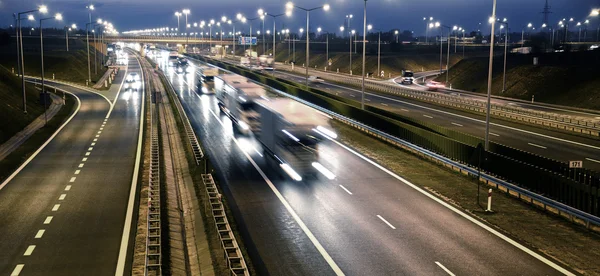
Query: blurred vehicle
point(434, 85)
point(266, 62)
point(183, 66)
point(132, 86)
point(594, 47)
point(208, 74)
point(315, 79)
point(407, 77)
point(173, 57)
point(132, 77)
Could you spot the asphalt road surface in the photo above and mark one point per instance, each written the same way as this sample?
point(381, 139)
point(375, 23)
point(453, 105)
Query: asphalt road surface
point(364, 222)
point(64, 213)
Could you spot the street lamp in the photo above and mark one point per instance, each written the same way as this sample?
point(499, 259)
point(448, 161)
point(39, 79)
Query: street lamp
point(426, 28)
point(369, 27)
point(396, 33)
point(326, 47)
point(178, 14)
point(274, 16)
point(58, 17)
point(441, 26)
point(20, 59)
point(186, 12)
point(90, 8)
point(67, 30)
point(489, 84)
point(289, 6)
point(505, 23)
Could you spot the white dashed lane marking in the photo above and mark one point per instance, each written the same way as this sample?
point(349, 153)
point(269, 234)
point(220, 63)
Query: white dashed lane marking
point(68, 188)
point(87, 153)
point(457, 124)
point(80, 165)
point(17, 270)
point(538, 146)
point(55, 208)
point(62, 197)
point(428, 116)
point(73, 179)
point(386, 222)
point(40, 233)
point(48, 220)
point(29, 250)
point(345, 189)
point(84, 159)
point(77, 171)
point(90, 148)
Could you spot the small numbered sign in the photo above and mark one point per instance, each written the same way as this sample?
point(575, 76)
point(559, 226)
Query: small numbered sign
point(575, 164)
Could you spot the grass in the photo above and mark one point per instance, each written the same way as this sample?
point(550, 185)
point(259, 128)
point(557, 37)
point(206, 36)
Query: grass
point(560, 78)
point(12, 119)
point(23, 152)
point(67, 66)
point(571, 244)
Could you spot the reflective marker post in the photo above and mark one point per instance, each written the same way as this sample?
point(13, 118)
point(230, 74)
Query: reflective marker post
point(489, 204)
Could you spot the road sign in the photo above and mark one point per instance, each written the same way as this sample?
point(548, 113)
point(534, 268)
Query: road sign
point(247, 40)
point(575, 164)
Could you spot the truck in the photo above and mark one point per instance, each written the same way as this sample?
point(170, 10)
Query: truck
point(236, 96)
point(173, 56)
point(290, 133)
point(206, 83)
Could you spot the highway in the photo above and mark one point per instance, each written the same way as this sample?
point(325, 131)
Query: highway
point(367, 221)
point(65, 211)
point(544, 142)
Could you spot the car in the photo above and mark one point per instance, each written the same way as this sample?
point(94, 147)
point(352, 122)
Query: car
point(133, 86)
point(434, 85)
point(133, 77)
point(407, 77)
point(315, 79)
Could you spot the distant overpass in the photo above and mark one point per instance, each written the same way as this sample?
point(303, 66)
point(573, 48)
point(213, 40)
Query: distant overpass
point(165, 39)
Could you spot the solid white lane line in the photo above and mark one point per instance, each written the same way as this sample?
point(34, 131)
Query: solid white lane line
point(345, 189)
point(444, 268)
point(62, 197)
point(55, 208)
point(457, 124)
point(77, 171)
point(386, 222)
point(93, 144)
point(384, 104)
point(68, 188)
point(494, 134)
point(84, 159)
point(336, 269)
point(73, 179)
point(29, 250)
point(541, 147)
point(427, 116)
point(87, 153)
point(17, 270)
point(48, 220)
point(132, 192)
point(593, 160)
point(404, 109)
point(8, 179)
point(40, 233)
point(459, 212)
point(80, 165)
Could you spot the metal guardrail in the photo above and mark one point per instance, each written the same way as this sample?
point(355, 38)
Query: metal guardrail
point(232, 253)
point(566, 122)
point(193, 140)
point(153, 239)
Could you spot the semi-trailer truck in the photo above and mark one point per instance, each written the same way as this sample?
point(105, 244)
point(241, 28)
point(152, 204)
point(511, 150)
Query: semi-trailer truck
point(236, 96)
point(290, 133)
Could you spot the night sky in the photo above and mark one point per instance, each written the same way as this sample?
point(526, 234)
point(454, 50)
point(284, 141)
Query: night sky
point(383, 14)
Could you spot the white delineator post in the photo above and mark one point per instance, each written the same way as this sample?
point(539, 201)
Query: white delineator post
point(489, 203)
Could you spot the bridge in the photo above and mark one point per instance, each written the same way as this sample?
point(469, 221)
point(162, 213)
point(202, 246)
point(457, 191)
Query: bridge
point(166, 39)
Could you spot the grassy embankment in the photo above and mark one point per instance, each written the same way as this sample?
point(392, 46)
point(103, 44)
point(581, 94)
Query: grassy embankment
point(67, 66)
point(560, 78)
point(12, 120)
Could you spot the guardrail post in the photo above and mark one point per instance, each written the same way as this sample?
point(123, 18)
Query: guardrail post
point(489, 202)
point(52, 75)
point(350, 72)
point(532, 98)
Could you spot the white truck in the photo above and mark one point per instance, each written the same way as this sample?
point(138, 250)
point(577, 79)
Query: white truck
point(236, 96)
point(290, 132)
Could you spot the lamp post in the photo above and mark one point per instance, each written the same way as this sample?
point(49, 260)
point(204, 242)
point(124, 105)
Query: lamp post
point(274, 16)
point(505, 23)
point(261, 15)
point(42, 9)
point(289, 6)
point(326, 46)
point(426, 28)
point(579, 26)
point(441, 26)
point(67, 30)
point(185, 12)
point(529, 25)
point(240, 18)
point(90, 8)
point(489, 84)
point(58, 16)
point(251, 19)
point(369, 27)
point(99, 23)
point(396, 33)
point(364, 53)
